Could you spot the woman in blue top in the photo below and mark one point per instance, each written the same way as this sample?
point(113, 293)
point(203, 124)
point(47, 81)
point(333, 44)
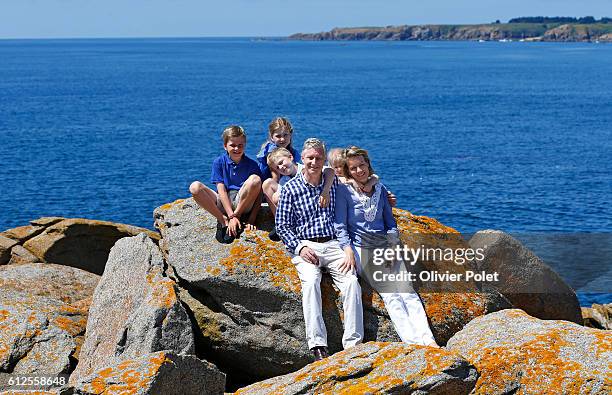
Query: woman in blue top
point(364, 222)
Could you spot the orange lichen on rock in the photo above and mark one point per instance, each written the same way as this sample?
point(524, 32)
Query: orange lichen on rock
point(163, 289)
point(441, 307)
point(168, 206)
point(263, 257)
point(369, 368)
point(410, 223)
point(128, 377)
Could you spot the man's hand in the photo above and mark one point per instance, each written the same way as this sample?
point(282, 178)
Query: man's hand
point(348, 264)
point(309, 256)
point(233, 226)
point(324, 199)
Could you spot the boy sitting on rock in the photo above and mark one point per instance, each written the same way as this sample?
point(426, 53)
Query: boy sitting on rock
point(238, 180)
point(280, 161)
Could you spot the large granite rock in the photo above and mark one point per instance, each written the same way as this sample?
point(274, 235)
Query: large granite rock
point(64, 283)
point(77, 242)
point(162, 372)
point(6, 245)
point(246, 298)
point(135, 310)
point(517, 353)
point(598, 316)
point(526, 281)
point(377, 368)
point(36, 333)
point(43, 315)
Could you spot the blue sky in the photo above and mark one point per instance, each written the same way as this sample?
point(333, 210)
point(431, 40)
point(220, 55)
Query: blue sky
point(161, 18)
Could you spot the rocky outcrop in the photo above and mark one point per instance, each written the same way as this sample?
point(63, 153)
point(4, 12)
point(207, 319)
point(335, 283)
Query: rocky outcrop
point(76, 242)
point(64, 283)
point(79, 242)
point(598, 316)
point(377, 368)
point(156, 373)
point(525, 280)
point(516, 353)
point(36, 334)
point(135, 310)
point(43, 314)
point(246, 298)
point(527, 31)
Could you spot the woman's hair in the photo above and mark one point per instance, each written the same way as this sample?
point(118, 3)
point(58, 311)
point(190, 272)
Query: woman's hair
point(232, 131)
point(353, 152)
point(277, 153)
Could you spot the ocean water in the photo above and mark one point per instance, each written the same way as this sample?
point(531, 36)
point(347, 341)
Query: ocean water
point(510, 136)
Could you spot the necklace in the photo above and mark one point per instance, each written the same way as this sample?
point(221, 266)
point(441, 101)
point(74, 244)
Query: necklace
point(370, 204)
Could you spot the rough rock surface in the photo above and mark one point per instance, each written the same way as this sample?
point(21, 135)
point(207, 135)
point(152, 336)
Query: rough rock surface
point(517, 353)
point(36, 333)
point(64, 283)
point(526, 281)
point(5, 249)
point(79, 242)
point(20, 255)
point(246, 298)
point(162, 372)
point(135, 310)
point(598, 316)
point(377, 368)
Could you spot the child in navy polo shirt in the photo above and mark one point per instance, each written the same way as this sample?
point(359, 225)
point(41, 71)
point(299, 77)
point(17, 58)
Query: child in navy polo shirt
point(238, 181)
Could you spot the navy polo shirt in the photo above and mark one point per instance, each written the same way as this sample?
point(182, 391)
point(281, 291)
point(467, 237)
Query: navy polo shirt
point(231, 174)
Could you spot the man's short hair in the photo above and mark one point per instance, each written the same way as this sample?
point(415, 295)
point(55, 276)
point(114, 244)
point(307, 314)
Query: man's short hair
point(314, 143)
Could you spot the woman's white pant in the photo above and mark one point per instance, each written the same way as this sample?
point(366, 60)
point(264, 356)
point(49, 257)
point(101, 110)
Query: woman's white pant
point(405, 309)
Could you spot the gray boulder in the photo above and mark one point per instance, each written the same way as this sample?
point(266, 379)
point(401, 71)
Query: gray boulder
point(79, 242)
point(64, 283)
point(135, 310)
point(33, 335)
point(525, 280)
point(5, 249)
point(246, 297)
point(162, 372)
point(377, 368)
point(517, 353)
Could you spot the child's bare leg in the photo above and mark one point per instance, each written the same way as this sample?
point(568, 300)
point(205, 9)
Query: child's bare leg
point(270, 188)
point(273, 202)
point(207, 199)
point(248, 194)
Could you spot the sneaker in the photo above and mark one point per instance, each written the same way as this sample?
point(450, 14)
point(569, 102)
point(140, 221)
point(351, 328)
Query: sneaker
point(319, 353)
point(221, 231)
point(273, 235)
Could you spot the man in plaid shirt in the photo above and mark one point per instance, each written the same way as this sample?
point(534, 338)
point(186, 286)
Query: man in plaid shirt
point(308, 233)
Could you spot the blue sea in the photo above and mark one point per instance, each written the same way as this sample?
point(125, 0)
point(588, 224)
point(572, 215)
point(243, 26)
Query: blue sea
point(511, 136)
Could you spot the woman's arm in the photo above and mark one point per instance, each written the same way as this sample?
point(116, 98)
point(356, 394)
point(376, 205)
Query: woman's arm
point(341, 216)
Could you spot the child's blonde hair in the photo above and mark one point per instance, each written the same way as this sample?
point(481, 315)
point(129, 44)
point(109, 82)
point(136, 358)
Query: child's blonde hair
point(277, 153)
point(335, 157)
point(232, 131)
point(353, 152)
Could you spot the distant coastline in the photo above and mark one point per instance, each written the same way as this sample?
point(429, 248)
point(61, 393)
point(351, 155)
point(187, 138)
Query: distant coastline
point(519, 29)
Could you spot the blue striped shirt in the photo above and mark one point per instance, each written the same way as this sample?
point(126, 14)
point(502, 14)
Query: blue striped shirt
point(299, 215)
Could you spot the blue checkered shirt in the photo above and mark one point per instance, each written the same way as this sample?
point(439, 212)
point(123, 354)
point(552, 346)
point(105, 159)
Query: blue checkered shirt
point(299, 215)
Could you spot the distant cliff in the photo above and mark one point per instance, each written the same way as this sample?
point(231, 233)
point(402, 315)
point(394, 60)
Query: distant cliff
point(494, 31)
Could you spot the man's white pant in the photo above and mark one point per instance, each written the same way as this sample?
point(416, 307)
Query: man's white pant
point(331, 256)
point(405, 309)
